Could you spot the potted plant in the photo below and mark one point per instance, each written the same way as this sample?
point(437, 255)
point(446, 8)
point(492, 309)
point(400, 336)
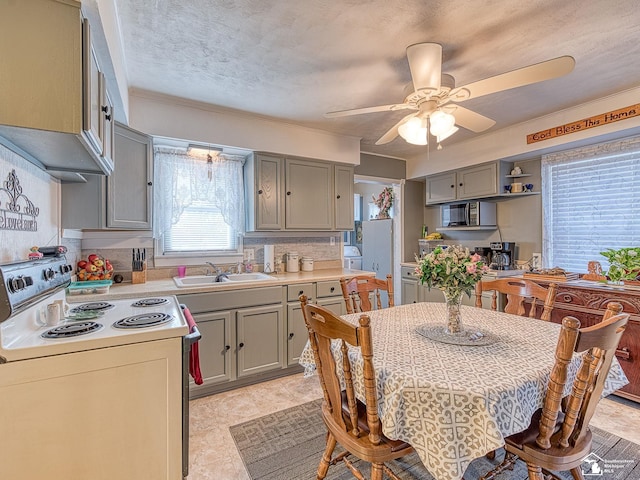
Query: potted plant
point(624, 264)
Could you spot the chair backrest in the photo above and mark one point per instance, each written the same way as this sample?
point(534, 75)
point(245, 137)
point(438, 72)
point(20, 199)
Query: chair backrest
point(597, 345)
point(334, 367)
point(357, 292)
point(517, 291)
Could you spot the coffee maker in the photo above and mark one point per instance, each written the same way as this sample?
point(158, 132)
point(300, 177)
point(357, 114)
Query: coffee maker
point(502, 255)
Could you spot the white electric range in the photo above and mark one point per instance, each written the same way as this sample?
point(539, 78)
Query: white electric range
point(98, 398)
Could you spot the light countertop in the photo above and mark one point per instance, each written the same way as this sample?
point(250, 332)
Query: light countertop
point(168, 287)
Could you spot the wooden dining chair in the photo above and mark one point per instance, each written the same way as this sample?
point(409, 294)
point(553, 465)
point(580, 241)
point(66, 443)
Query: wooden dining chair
point(558, 437)
point(517, 291)
point(357, 292)
point(351, 423)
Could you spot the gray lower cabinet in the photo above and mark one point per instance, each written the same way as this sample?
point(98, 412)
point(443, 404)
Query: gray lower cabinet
point(214, 347)
point(259, 339)
point(408, 286)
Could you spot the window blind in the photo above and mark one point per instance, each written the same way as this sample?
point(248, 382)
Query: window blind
point(590, 204)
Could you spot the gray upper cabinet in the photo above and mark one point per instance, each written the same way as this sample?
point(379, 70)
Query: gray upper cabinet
point(308, 198)
point(129, 187)
point(479, 181)
point(343, 193)
point(297, 194)
point(53, 97)
point(441, 188)
point(121, 201)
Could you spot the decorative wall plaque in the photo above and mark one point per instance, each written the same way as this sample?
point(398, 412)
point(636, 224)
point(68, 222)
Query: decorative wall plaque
point(18, 212)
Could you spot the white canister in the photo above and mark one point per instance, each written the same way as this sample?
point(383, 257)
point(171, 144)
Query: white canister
point(307, 264)
point(292, 262)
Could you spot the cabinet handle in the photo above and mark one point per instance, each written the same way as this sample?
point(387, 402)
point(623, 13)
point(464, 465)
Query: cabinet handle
point(288, 193)
point(453, 186)
point(623, 353)
point(227, 348)
point(291, 335)
point(241, 345)
point(300, 292)
point(338, 196)
point(460, 184)
point(149, 183)
point(259, 192)
point(332, 289)
point(105, 108)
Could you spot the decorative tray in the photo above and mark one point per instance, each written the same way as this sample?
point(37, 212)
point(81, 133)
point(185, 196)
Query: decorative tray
point(551, 278)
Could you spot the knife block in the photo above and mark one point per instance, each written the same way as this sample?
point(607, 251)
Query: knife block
point(140, 276)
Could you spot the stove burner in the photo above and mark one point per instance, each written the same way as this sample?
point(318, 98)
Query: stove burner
point(92, 307)
point(143, 320)
point(72, 330)
point(150, 302)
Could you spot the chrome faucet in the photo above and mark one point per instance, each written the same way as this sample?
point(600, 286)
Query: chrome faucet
point(215, 269)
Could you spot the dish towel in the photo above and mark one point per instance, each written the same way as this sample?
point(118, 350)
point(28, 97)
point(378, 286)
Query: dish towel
point(194, 354)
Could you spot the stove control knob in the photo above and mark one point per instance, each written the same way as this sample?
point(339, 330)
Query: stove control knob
point(28, 281)
point(49, 274)
point(16, 284)
point(65, 269)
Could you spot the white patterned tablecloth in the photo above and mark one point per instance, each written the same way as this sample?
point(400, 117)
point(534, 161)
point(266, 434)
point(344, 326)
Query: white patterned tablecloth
point(456, 403)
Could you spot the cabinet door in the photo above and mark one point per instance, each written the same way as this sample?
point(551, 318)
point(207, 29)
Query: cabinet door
point(268, 188)
point(343, 186)
point(441, 188)
point(477, 182)
point(308, 199)
point(425, 294)
point(107, 126)
point(335, 304)
point(214, 348)
point(93, 93)
point(259, 339)
point(297, 334)
point(409, 291)
point(129, 192)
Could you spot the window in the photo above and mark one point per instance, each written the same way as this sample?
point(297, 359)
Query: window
point(198, 204)
point(591, 203)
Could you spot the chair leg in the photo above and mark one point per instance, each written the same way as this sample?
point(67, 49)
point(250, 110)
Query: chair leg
point(507, 464)
point(376, 471)
point(491, 455)
point(576, 473)
point(326, 456)
point(535, 472)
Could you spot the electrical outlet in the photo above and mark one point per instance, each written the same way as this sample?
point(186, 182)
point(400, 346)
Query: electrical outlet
point(332, 241)
point(536, 261)
point(249, 254)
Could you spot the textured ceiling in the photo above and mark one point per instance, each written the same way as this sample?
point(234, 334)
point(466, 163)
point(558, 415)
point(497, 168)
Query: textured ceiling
point(297, 59)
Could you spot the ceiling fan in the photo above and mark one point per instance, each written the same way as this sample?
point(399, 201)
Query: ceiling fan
point(434, 96)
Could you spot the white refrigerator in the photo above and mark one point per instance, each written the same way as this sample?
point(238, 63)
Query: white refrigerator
point(377, 248)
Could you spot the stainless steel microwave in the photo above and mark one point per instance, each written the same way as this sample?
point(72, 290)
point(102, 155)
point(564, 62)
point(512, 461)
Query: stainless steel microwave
point(469, 214)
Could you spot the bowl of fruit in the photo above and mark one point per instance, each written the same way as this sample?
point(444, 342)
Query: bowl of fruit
point(94, 268)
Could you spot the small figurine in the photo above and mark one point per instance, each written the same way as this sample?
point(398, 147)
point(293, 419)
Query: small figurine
point(34, 254)
point(595, 272)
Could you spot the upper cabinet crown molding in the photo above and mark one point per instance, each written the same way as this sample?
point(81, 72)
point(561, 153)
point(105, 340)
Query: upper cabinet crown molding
point(54, 107)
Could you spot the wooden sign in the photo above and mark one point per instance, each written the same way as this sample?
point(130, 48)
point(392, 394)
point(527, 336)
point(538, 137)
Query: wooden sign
point(586, 123)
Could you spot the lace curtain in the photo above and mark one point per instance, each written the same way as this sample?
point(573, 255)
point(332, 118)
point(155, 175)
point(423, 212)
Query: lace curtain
point(180, 179)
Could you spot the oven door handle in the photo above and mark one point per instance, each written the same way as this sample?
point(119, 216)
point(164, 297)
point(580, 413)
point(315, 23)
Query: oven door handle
point(194, 335)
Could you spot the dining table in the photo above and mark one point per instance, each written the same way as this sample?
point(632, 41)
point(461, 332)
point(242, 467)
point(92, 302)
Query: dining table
point(456, 403)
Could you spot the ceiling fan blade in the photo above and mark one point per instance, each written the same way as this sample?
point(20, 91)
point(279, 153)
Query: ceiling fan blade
point(425, 62)
point(393, 131)
point(360, 111)
point(471, 120)
point(539, 72)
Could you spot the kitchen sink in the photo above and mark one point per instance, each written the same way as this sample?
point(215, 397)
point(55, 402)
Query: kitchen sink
point(198, 280)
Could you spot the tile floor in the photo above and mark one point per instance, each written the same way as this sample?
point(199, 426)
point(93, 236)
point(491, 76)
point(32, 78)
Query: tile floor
point(213, 454)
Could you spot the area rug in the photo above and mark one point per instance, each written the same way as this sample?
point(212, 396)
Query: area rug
point(288, 445)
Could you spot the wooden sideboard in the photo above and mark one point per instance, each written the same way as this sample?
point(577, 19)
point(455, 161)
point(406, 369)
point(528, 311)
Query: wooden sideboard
point(587, 301)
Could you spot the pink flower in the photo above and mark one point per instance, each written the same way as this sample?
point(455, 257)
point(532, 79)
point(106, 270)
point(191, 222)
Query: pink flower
point(475, 257)
point(471, 268)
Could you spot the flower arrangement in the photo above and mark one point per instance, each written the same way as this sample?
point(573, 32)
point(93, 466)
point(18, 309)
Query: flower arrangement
point(384, 202)
point(624, 264)
point(451, 269)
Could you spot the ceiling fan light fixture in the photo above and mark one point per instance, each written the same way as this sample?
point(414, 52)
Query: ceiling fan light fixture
point(446, 134)
point(441, 123)
point(414, 131)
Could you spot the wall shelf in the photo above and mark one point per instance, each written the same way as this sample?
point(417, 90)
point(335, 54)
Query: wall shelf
point(450, 229)
point(518, 176)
